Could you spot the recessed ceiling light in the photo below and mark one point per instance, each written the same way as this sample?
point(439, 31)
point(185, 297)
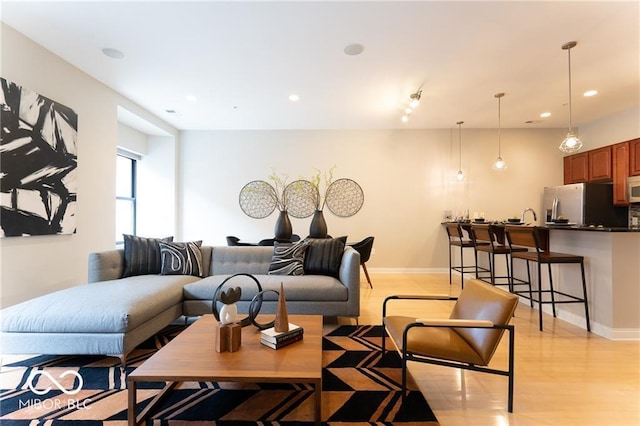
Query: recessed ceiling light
point(353, 49)
point(545, 115)
point(113, 53)
point(294, 98)
point(590, 93)
point(192, 98)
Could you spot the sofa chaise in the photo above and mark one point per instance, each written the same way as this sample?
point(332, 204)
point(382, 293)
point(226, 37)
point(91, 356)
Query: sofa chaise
point(112, 315)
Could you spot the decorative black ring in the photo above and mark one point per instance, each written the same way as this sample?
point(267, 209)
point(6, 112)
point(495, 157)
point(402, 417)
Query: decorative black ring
point(254, 309)
point(216, 296)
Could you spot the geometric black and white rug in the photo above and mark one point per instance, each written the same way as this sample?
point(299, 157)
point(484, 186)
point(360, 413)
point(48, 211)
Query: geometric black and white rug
point(359, 385)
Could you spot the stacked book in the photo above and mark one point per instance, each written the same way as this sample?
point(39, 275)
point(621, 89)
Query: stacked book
point(275, 340)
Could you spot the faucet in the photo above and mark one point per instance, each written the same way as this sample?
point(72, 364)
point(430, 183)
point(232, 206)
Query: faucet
point(529, 210)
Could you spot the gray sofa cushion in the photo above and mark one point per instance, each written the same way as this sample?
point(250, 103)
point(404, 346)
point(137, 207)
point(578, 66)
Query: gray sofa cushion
point(106, 307)
point(108, 265)
point(303, 288)
point(229, 260)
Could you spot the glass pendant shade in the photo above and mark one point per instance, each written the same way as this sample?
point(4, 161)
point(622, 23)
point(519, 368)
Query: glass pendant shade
point(499, 165)
point(571, 143)
point(460, 176)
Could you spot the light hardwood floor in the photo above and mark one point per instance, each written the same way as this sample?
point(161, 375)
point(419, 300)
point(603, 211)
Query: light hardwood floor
point(564, 375)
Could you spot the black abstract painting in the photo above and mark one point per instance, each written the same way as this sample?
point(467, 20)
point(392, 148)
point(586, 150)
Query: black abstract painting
point(38, 164)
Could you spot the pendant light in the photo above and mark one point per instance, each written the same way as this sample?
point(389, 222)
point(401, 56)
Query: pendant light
point(460, 175)
point(499, 165)
point(571, 143)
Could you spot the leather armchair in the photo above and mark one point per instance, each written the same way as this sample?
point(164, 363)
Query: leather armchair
point(468, 339)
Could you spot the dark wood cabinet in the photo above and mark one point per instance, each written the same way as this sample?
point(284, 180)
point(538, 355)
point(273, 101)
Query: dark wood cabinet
point(576, 168)
point(634, 157)
point(620, 154)
point(612, 163)
point(600, 164)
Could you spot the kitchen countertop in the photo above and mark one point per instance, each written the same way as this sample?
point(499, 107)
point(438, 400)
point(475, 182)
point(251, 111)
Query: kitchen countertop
point(592, 228)
point(563, 227)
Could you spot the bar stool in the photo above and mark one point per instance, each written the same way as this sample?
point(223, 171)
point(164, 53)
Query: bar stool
point(487, 239)
point(456, 238)
point(529, 236)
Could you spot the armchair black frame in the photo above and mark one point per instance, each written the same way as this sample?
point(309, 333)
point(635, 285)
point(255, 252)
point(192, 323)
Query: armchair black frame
point(448, 323)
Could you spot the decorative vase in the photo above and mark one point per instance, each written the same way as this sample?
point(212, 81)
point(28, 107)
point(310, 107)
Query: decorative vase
point(318, 227)
point(281, 323)
point(283, 230)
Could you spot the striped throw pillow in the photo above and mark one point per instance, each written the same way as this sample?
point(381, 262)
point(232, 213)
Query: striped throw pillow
point(142, 255)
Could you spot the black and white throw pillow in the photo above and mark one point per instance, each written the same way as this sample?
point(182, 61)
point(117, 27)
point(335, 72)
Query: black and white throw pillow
point(288, 259)
point(181, 258)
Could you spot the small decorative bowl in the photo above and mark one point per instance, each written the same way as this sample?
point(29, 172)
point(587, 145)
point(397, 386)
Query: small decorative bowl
point(513, 220)
point(561, 221)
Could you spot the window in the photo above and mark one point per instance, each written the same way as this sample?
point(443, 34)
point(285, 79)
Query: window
point(125, 196)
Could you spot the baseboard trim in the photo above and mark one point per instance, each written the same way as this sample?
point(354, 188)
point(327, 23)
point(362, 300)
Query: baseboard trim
point(408, 270)
point(616, 334)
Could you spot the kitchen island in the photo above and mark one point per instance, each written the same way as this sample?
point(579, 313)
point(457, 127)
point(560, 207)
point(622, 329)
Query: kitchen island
point(612, 266)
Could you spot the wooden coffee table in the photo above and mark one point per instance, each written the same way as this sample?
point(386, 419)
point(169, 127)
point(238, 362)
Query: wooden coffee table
point(191, 357)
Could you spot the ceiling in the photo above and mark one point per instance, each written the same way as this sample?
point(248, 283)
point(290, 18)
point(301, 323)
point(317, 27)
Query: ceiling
point(242, 60)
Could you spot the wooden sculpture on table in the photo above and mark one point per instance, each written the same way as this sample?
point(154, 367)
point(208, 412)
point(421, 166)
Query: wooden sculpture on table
point(282, 319)
point(229, 330)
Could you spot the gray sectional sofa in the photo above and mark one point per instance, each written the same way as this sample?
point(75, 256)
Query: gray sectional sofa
point(112, 315)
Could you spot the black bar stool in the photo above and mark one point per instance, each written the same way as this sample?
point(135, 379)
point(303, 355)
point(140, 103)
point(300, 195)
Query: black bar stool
point(457, 239)
point(485, 237)
point(529, 236)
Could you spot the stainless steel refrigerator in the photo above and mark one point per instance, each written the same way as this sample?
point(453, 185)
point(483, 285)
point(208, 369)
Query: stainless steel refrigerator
point(583, 204)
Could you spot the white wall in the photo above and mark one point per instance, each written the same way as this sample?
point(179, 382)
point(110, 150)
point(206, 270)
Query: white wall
point(156, 201)
point(31, 266)
point(132, 140)
point(408, 178)
point(619, 127)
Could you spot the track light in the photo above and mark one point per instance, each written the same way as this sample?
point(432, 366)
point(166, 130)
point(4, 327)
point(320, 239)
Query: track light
point(414, 101)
